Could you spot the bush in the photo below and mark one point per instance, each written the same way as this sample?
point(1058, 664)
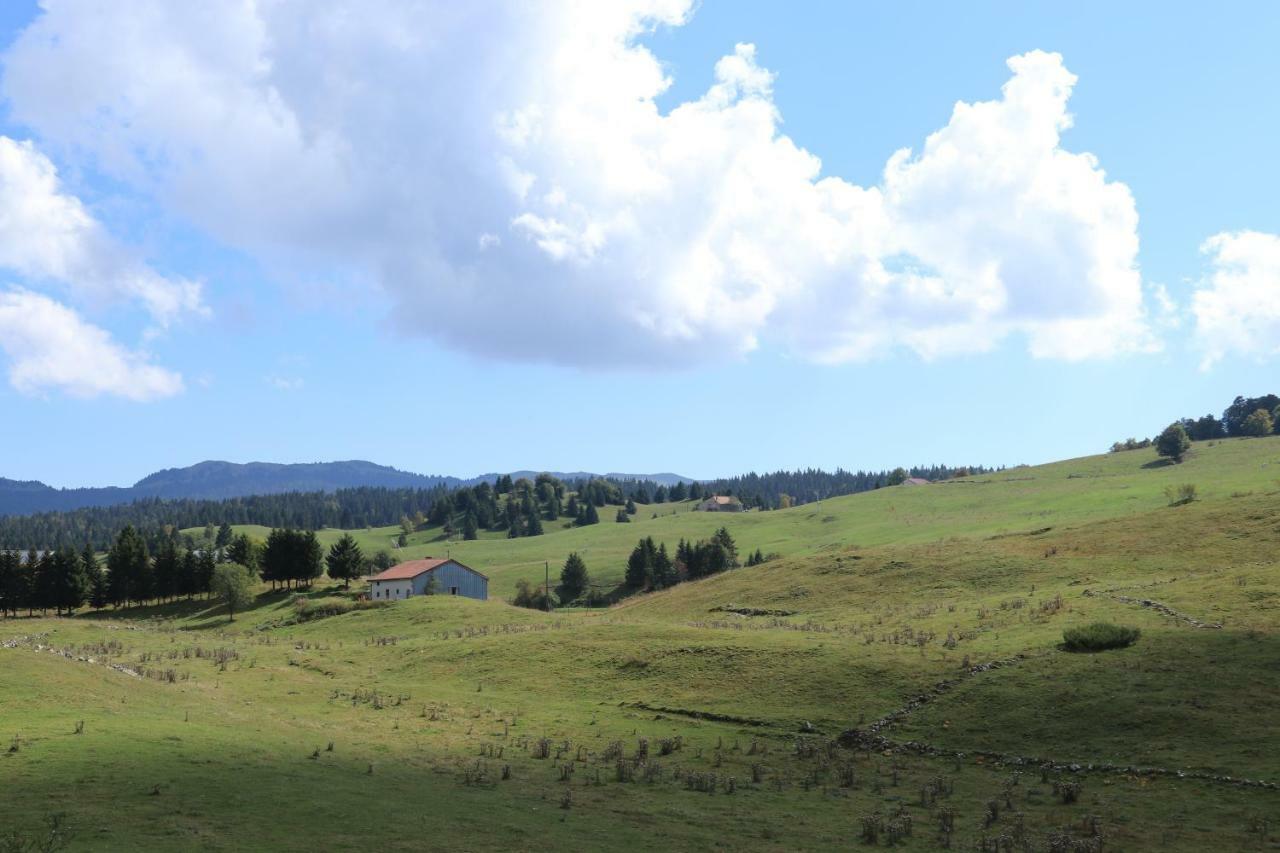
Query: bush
point(1173, 442)
point(1179, 495)
point(1098, 637)
point(1258, 424)
point(305, 609)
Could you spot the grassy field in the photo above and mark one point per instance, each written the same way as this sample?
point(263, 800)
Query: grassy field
point(715, 714)
point(1098, 487)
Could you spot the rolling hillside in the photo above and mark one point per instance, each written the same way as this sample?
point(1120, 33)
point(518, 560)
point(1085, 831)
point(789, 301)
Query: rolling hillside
point(1111, 486)
point(895, 676)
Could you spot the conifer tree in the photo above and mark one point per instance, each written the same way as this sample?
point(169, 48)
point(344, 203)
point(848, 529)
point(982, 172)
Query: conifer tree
point(345, 560)
point(205, 568)
point(128, 568)
point(188, 572)
point(470, 526)
point(94, 577)
point(165, 570)
point(664, 571)
point(532, 524)
point(573, 578)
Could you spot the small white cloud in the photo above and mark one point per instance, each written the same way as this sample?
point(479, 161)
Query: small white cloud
point(1237, 305)
point(48, 235)
point(51, 348)
point(285, 383)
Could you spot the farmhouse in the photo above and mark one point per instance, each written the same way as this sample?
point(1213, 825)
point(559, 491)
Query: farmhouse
point(915, 481)
point(412, 578)
point(721, 503)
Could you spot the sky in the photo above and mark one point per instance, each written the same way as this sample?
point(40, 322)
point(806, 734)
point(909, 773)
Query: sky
point(640, 236)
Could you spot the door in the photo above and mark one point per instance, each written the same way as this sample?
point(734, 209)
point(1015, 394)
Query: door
point(453, 590)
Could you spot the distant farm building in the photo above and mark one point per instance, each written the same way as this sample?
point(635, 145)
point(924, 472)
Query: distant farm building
point(412, 578)
point(721, 503)
point(915, 481)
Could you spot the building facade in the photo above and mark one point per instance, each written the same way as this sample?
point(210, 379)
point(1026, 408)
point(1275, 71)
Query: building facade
point(443, 577)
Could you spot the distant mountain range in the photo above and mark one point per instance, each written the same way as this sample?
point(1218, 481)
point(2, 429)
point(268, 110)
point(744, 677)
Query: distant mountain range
point(219, 480)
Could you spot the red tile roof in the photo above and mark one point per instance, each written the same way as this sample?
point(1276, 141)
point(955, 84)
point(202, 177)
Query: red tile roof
point(413, 568)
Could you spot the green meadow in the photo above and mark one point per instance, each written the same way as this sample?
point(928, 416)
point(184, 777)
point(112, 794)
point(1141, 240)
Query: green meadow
point(736, 712)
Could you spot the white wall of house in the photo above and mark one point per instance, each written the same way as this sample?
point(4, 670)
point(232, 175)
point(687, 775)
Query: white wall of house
point(391, 590)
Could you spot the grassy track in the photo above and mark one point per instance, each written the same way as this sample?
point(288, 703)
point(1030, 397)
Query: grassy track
point(221, 741)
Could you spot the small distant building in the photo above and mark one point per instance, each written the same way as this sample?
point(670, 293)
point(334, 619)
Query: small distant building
point(915, 481)
point(721, 503)
point(412, 578)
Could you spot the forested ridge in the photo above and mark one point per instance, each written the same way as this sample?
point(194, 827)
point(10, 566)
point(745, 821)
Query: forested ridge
point(379, 506)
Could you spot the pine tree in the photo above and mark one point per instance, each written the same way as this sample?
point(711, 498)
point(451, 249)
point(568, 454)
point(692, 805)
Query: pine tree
point(573, 578)
point(470, 526)
point(723, 539)
point(224, 536)
point(631, 507)
point(129, 570)
point(68, 584)
point(641, 564)
point(95, 578)
point(592, 515)
point(345, 560)
point(188, 570)
point(12, 583)
point(532, 524)
point(165, 570)
point(242, 550)
point(205, 568)
point(664, 571)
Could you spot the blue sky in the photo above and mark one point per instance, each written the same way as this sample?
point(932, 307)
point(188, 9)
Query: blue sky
point(340, 335)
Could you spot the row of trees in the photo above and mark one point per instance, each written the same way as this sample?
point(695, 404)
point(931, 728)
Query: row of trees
point(521, 507)
point(61, 581)
point(651, 567)
point(65, 580)
point(1245, 417)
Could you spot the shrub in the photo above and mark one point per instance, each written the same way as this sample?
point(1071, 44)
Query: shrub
point(1098, 637)
point(1179, 495)
point(306, 609)
point(1173, 442)
point(1258, 424)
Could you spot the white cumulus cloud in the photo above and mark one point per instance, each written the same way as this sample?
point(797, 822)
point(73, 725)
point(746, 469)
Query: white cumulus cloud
point(50, 347)
point(48, 234)
point(1237, 305)
point(505, 174)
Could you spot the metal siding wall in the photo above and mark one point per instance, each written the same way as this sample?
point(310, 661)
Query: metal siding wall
point(450, 575)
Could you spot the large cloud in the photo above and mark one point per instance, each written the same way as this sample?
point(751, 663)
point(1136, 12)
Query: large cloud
point(51, 348)
point(505, 175)
point(1237, 306)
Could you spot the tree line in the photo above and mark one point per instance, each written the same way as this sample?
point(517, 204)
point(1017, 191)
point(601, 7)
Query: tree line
point(650, 566)
point(64, 580)
point(1245, 417)
point(520, 508)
